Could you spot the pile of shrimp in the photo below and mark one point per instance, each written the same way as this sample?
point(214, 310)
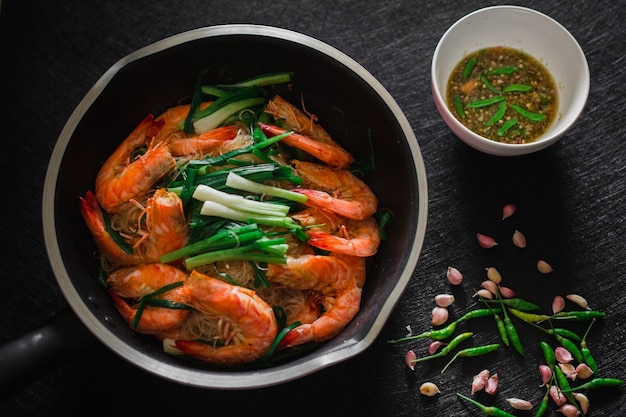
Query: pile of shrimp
point(224, 322)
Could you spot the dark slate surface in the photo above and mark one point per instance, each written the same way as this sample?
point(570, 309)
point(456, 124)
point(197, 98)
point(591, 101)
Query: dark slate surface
point(570, 200)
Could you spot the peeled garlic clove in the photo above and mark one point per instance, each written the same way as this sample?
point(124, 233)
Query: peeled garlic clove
point(583, 371)
point(494, 275)
point(583, 401)
point(444, 300)
point(492, 384)
point(508, 210)
point(544, 267)
point(578, 300)
point(454, 276)
point(439, 316)
point(486, 241)
point(506, 292)
point(558, 304)
point(409, 358)
point(429, 389)
point(563, 355)
point(519, 404)
point(519, 239)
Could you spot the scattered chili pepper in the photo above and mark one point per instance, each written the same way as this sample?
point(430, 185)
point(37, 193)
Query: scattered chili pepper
point(448, 348)
point(584, 350)
point(579, 315)
point(511, 331)
point(490, 411)
point(595, 383)
point(472, 352)
point(543, 406)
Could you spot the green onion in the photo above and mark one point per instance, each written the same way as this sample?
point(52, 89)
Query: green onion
point(484, 103)
point(498, 114)
point(262, 250)
point(262, 80)
point(211, 208)
point(533, 117)
point(196, 99)
point(206, 193)
point(238, 182)
point(216, 118)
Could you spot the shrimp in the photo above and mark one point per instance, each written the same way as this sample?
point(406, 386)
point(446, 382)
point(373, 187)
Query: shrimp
point(122, 179)
point(181, 144)
point(334, 155)
point(137, 281)
point(166, 229)
point(338, 294)
point(339, 192)
point(252, 321)
point(295, 119)
point(334, 233)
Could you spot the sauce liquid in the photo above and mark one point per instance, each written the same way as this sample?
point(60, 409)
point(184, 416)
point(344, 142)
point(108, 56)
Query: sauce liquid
point(503, 94)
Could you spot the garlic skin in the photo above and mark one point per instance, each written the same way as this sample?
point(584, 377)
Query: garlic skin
point(485, 241)
point(558, 304)
point(409, 357)
point(563, 355)
point(519, 239)
point(519, 404)
point(544, 267)
point(569, 370)
point(439, 316)
point(455, 277)
point(508, 210)
point(429, 389)
point(583, 371)
point(444, 300)
point(494, 275)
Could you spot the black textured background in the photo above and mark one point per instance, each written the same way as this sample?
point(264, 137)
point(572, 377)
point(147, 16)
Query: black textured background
point(570, 201)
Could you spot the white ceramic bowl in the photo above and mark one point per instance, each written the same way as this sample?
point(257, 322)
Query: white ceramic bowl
point(524, 29)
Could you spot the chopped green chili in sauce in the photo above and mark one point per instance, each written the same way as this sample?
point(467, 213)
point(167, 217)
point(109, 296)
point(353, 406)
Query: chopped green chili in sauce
point(503, 94)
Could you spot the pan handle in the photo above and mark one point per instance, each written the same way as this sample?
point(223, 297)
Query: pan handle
point(31, 356)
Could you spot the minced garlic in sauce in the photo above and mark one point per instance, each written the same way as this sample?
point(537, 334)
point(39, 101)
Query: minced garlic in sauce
point(503, 94)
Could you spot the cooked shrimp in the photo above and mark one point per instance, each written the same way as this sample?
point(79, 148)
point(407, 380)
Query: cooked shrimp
point(335, 284)
point(297, 120)
point(181, 144)
point(332, 154)
point(335, 191)
point(251, 319)
point(122, 179)
point(165, 229)
point(134, 282)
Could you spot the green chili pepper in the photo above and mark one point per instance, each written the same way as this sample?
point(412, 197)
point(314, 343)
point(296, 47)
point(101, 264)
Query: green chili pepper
point(584, 350)
point(490, 411)
point(469, 67)
point(564, 333)
point(507, 126)
point(548, 354)
point(489, 86)
point(439, 334)
point(511, 331)
point(481, 312)
point(448, 348)
point(579, 315)
point(458, 105)
point(518, 304)
point(472, 352)
point(485, 102)
point(498, 114)
point(564, 385)
point(503, 70)
point(515, 88)
point(533, 117)
point(499, 324)
point(543, 406)
point(528, 317)
point(595, 383)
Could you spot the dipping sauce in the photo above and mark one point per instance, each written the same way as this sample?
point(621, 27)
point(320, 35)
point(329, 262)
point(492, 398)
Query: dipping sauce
point(503, 94)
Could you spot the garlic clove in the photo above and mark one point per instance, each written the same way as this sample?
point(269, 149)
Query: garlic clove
point(433, 347)
point(439, 316)
point(519, 404)
point(480, 381)
point(563, 355)
point(544, 267)
point(490, 286)
point(484, 293)
point(583, 401)
point(409, 359)
point(486, 241)
point(558, 304)
point(557, 396)
point(494, 275)
point(519, 239)
point(578, 300)
point(492, 384)
point(455, 277)
point(506, 292)
point(569, 370)
point(444, 300)
point(546, 374)
point(429, 389)
point(568, 410)
point(583, 371)
point(508, 210)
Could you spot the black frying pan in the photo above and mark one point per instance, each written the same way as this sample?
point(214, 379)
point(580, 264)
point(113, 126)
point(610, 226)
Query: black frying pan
point(349, 102)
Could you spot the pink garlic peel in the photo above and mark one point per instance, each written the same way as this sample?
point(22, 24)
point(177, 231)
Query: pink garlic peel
point(569, 370)
point(486, 241)
point(508, 210)
point(455, 277)
point(558, 304)
point(583, 371)
point(546, 374)
point(409, 357)
point(480, 381)
point(439, 316)
point(568, 410)
point(563, 355)
point(520, 404)
point(492, 384)
point(519, 239)
point(557, 396)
